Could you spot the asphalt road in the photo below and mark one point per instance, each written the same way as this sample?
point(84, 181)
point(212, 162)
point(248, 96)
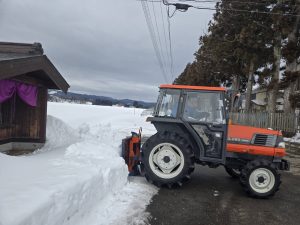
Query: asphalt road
point(214, 198)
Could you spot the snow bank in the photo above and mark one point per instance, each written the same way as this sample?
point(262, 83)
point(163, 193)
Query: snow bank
point(295, 139)
point(59, 134)
point(79, 176)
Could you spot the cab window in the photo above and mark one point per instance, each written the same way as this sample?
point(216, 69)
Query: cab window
point(168, 105)
point(204, 107)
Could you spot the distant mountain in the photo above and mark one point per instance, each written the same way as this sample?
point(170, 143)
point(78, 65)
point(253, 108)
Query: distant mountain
point(59, 96)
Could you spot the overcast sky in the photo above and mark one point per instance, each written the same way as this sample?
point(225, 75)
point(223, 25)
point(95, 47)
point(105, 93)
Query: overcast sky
point(103, 47)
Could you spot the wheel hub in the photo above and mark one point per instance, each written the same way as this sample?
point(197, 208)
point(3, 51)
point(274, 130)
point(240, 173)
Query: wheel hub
point(262, 180)
point(166, 160)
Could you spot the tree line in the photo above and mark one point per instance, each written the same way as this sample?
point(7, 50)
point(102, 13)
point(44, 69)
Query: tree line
point(250, 42)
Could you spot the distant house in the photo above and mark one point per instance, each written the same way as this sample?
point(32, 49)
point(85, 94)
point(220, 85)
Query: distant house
point(259, 100)
point(26, 74)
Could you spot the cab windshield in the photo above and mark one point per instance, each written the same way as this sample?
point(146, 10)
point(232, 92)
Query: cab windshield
point(168, 103)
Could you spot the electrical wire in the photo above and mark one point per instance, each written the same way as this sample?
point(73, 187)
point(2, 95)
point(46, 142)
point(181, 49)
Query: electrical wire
point(153, 38)
point(219, 1)
point(170, 44)
point(168, 52)
point(177, 5)
point(183, 8)
point(156, 45)
point(158, 35)
point(168, 12)
point(234, 1)
point(248, 11)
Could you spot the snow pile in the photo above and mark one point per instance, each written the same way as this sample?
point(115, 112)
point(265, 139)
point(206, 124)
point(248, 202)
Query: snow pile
point(295, 139)
point(78, 177)
point(59, 134)
point(124, 207)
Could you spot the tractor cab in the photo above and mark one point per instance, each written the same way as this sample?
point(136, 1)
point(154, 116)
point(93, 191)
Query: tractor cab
point(197, 113)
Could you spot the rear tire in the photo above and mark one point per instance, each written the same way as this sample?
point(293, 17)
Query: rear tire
point(168, 159)
point(260, 179)
point(234, 173)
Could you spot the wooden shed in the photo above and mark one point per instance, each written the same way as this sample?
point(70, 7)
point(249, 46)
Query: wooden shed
point(26, 74)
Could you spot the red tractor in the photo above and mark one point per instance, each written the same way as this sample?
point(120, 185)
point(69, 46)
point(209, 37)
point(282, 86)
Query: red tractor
point(193, 127)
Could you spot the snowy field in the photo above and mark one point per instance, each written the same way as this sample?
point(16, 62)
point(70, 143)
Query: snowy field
point(78, 177)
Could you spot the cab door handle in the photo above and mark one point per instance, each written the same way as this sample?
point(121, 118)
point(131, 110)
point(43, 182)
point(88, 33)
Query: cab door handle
point(217, 125)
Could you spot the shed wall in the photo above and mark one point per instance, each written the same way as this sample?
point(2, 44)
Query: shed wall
point(29, 123)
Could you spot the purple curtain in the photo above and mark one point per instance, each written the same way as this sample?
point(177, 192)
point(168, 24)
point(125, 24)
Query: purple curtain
point(7, 89)
point(27, 92)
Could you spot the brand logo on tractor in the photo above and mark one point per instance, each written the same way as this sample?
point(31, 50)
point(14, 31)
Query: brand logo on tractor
point(238, 140)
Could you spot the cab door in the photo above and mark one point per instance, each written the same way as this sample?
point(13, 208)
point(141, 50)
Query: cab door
point(203, 113)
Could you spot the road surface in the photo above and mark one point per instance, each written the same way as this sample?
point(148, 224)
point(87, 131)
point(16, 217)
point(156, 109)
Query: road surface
point(214, 198)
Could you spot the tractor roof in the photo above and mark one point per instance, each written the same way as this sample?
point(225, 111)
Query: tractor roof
point(203, 88)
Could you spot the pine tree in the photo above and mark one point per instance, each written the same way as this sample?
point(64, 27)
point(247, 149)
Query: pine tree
point(291, 53)
point(240, 45)
point(235, 46)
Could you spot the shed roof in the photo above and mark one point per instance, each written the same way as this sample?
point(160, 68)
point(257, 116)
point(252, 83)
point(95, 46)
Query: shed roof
point(18, 59)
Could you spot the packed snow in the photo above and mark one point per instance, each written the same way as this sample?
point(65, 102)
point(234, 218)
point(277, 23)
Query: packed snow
point(294, 139)
point(78, 177)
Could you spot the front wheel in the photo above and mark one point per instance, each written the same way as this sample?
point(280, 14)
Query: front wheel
point(260, 179)
point(168, 159)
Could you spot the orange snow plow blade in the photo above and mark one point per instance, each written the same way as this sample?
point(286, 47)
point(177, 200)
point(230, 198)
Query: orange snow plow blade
point(131, 153)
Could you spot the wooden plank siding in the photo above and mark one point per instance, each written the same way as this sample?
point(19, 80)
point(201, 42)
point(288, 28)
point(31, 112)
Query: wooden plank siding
point(5, 133)
point(287, 122)
point(29, 123)
point(43, 113)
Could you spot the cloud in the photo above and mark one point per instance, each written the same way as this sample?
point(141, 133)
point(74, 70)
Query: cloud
point(102, 47)
point(1, 8)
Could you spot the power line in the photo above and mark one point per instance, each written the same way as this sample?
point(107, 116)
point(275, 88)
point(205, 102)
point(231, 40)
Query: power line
point(168, 52)
point(158, 35)
point(248, 11)
point(153, 38)
point(170, 44)
point(234, 1)
point(184, 7)
point(219, 1)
